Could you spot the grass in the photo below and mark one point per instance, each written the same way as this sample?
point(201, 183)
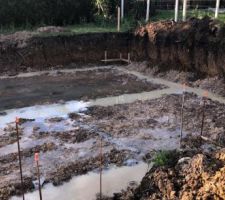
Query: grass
point(165, 158)
point(74, 29)
point(169, 14)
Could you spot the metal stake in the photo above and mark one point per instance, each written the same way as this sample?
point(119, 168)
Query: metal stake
point(101, 169)
point(36, 157)
point(182, 114)
point(203, 117)
point(19, 154)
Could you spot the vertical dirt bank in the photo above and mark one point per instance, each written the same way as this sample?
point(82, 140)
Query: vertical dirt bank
point(196, 45)
point(18, 53)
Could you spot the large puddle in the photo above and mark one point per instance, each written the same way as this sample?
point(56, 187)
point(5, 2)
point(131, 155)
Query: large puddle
point(87, 186)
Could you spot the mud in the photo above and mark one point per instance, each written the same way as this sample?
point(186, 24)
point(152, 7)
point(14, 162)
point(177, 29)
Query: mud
point(82, 85)
point(199, 177)
point(129, 131)
point(214, 84)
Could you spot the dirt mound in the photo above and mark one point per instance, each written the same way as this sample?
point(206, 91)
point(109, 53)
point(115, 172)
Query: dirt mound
point(51, 29)
point(200, 177)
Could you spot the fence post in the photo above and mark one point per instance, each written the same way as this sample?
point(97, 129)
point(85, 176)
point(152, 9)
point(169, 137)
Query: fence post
point(147, 10)
point(118, 20)
point(217, 8)
point(176, 10)
point(184, 10)
point(122, 9)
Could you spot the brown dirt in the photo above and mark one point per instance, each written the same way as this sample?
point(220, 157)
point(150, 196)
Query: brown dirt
point(86, 85)
point(129, 119)
point(214, 84)
point(195, 45)
point(200, 177)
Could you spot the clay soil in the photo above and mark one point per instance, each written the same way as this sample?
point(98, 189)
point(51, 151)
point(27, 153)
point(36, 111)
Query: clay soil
point(129, 131)
point(85, 85)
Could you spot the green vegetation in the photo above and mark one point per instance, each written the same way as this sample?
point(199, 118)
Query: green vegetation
point(165, 158)
point(81, 16)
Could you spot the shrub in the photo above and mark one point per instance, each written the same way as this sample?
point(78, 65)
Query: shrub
point(166, 158)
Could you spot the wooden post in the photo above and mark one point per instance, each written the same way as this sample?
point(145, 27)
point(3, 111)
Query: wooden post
point(19, 154)
point(36, 158)
point(182, 114)
point(118, 20)
point(105, 56)
point(217, 8)
point(176, 10)
point(128, 57)
point(184, 10)
point(122, 9)
point(147, 11)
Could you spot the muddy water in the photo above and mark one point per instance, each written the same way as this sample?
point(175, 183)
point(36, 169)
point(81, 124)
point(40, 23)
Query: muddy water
point(87, 186)
point(76, 187)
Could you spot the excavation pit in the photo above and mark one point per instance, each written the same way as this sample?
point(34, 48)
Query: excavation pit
point(134, 115)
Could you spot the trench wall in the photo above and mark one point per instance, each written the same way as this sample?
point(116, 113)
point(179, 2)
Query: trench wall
point(196, 45)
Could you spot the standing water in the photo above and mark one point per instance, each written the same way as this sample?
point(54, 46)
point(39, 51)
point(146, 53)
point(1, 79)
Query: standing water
point(86, 187)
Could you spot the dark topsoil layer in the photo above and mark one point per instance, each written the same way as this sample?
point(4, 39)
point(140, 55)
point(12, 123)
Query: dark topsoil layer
point(22, 92)
point(195, 45)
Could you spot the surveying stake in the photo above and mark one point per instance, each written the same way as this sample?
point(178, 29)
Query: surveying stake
point(205, 95)
point(182, 112)
point(101, 162)
point(19, 154)
point(36, 159)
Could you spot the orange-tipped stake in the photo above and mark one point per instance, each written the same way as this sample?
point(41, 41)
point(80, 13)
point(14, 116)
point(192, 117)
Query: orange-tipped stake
point(101, 162)
point(19, 155)
point(36, 159)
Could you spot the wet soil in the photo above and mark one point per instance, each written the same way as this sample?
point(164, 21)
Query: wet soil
point(214, 84)
point(199, 176)
point(84, 85)
point(129, 132)
point(163, 113)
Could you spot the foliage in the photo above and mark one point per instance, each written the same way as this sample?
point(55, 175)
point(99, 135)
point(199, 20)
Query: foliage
point(44, 12)
point(165, 158)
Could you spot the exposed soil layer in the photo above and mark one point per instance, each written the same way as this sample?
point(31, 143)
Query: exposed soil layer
point(214, 84)
point(195, 45)
point(84, 85)
point(200, 176)
point(25, 52)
